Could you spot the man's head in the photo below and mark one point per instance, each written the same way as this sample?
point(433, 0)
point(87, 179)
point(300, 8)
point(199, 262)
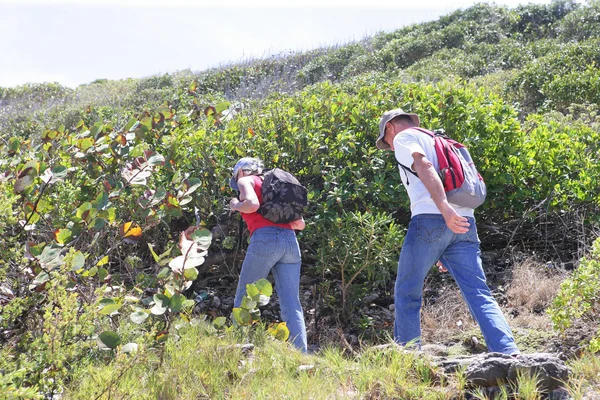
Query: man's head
point(249, 165)
point(393, 122)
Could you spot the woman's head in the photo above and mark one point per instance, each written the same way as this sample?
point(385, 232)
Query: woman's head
point(250, 166)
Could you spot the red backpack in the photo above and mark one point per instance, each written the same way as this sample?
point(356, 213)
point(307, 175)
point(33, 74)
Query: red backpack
point(463, 185)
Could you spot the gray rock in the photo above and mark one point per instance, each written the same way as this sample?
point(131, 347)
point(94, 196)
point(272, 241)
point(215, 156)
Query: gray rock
point(435, 349)
point(368, 299)
point(494, 368)
point(551, 370)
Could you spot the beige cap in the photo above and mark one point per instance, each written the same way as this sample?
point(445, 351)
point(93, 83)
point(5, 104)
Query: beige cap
point(387, 117)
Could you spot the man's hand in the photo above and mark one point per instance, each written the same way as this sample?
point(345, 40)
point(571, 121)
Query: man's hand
point(432, 182)
point(441, 267)
point(455, 222)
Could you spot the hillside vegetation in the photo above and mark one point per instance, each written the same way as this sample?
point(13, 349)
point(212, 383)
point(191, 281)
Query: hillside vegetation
point(119, 257)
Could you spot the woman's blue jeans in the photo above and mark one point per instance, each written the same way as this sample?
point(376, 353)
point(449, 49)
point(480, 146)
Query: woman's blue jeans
point(428, 240)
point(276, 249)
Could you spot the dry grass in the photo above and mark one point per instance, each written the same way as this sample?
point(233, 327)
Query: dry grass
point(446, 317)
point(531, 292)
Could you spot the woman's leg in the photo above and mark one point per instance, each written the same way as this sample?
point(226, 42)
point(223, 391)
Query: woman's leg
point(263, 253)
point(286, 274)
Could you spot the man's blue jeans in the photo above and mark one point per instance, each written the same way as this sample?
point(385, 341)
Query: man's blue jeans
point(276, 249)
point(428, 240)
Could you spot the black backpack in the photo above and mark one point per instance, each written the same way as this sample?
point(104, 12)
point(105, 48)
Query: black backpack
point(283, 197)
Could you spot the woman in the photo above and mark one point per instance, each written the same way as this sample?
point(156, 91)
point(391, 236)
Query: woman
point(273, 247)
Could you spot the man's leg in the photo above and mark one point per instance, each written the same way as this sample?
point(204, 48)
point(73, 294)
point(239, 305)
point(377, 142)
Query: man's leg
point(425, 241)
point(463, 261)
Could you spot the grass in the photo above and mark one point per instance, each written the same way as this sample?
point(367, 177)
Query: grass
point(203, 365)
point(200, 364)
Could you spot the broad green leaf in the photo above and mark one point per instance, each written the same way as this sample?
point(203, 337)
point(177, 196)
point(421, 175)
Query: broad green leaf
point(101, 201)
point(265, 287)
point(175, 303)
point(161, 300)
point(248, 303)
point(185, 200)
point(202, 237)
point(23, 183)
point(263, 300)
point(63, 235)
point(98, 223)
point(138, 317)
point(156, 159)
point(105, 301)
point(110, 308)
point(131, 124)
point(190, 274)
point(164, 273)
point(129, 348)
point(41, 278)
point(14, 143)
point(108, 340)
point(78, 261)
point(157, 309)
point(252, 290)
point(280, 331)
point(102, 274)
point(219, 322)
point(59, 173)
point(222, 106)
point(87, 206)
point(103, 261)
point(161, 336)
point(241, 316)
point(51, 257)
point(191, 185)
point(85, 143)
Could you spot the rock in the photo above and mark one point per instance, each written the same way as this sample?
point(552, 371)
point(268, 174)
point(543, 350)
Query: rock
point(370, 298)
point(306, 280)
point(306, 368)
point(228, 302)
point(435, 349)
point(551, 370)
point(491, 369)
point(246, 348)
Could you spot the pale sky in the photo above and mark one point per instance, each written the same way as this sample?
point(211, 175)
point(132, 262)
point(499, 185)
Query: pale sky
point(74, 42)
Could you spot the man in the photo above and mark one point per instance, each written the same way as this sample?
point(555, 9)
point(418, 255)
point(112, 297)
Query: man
point(438, 230)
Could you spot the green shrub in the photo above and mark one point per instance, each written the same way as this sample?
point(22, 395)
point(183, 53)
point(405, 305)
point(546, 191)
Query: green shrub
point(357, 250)
point(581, 24)
point(578, 298)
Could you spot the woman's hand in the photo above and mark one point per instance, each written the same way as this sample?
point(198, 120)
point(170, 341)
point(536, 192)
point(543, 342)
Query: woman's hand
point(232, 203)
point(298, 224)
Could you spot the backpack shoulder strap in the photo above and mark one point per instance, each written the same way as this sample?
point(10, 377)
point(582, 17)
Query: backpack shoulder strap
point(423, 130)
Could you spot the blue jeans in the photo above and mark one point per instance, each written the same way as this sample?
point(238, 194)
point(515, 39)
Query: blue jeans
point(276, 249)
point(428, 240)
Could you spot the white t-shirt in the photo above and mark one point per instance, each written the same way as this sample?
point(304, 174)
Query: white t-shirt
point(412, 141)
